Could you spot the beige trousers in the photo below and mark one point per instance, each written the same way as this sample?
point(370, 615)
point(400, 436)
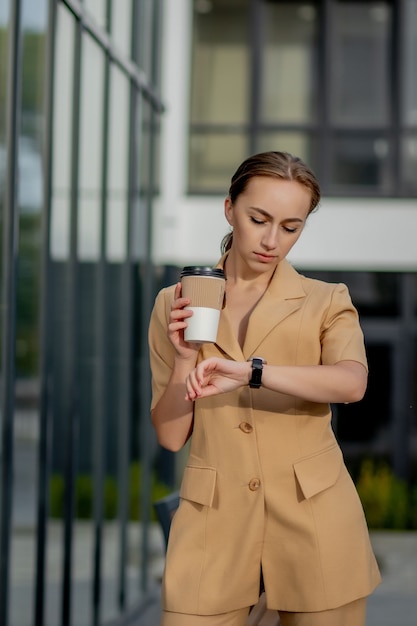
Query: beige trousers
point(353, 614)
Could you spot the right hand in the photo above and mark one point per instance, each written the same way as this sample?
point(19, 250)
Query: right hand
point(177, 324)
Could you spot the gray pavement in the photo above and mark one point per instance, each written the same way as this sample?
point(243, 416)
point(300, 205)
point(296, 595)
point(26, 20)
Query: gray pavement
point(394, 602)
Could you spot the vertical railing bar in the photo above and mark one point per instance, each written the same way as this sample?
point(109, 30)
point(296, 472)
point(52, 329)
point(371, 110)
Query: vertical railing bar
point(325, 133)
point(101, 405)
point(9, 287)
point(136, 135)
point(44, 449)
point(396, 76)
point(146, 433)
point(256, 14)
point(72, 407)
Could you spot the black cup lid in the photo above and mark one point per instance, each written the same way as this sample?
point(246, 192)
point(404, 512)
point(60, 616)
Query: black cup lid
point(195, 270)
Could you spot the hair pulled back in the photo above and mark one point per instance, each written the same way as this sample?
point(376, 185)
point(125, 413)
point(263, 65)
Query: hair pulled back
point(280, 165)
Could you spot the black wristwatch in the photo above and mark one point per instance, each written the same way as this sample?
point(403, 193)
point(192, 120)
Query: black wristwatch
point(257, 367)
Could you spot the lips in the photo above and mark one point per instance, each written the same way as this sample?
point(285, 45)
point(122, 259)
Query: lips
point(265, 258)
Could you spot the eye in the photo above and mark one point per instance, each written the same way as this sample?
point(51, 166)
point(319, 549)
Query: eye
point(290, 229)
point(255, 220)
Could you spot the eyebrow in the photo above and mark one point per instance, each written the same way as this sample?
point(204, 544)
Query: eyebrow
point(266, 214)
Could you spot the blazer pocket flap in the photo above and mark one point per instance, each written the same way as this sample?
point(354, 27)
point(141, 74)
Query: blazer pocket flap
point(318, 472)
point(198, 484)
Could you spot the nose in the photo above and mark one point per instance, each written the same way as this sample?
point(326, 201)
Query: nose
point(270, 238)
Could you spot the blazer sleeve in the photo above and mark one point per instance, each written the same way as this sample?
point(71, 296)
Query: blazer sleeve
point(161, 351)
point(341, 335)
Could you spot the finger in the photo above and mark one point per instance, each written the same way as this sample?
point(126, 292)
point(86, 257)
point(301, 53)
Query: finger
point(192, 385)
point(180, 313)
point(177, 291)
point(179, 304)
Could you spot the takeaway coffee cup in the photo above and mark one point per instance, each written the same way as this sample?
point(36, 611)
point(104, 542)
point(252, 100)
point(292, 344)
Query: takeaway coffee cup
point(204, 286)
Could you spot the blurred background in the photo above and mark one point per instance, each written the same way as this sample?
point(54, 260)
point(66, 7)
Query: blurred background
point(121, 123)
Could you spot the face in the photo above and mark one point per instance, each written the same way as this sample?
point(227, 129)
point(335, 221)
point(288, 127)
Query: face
point(267, 220)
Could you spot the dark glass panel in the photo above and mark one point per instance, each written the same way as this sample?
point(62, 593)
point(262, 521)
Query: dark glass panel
point(408, 170)
point(409, 43)
point(360, 63)
point(361, 162)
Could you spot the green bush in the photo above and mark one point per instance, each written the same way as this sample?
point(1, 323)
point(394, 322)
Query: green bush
point(84, 495)
point(388, 502)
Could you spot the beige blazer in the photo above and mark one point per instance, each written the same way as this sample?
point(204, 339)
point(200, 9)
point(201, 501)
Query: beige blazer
point(265, 484)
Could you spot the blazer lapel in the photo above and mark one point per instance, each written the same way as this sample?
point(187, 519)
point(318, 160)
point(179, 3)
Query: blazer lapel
point(285, 294)
point(226, 339)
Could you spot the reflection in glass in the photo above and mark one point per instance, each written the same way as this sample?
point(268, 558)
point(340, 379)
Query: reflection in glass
point(91, 150)
point(362, 162)
point(220, 63)
point(148, 177)
point(143, 43)
point(121, 25)
point(360, 62)
point(97, 8)
point(62, 135)
point(213, 157)
point(298, 143)
point(410, 63)
point(118, 167)
point(289, 62)
point(409, 165)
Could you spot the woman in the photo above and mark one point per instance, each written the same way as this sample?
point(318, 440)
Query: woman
point(265, 493)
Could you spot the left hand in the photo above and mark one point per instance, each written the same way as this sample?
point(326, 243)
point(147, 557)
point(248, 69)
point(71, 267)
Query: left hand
point(214, 376)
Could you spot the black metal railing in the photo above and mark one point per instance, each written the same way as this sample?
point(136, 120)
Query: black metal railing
point(73, 353)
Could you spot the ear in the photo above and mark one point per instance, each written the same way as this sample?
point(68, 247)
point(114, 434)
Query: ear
point(228, 210)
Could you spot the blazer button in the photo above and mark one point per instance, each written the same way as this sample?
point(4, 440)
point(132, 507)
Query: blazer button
point(254, 484)
point(245, 427)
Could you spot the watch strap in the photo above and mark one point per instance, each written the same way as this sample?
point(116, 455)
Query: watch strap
point(255, 381)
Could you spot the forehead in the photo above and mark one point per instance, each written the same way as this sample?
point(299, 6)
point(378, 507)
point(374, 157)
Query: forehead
point(272, 194)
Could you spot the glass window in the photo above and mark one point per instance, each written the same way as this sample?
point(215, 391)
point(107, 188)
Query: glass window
point(409, 164)
point(97, 9)
point(62, 135)
point(361, 162)
point(301, 143)
point(213, 156)
point(359, 63)
point(289, 62)
point(91, 150)
point(143, 43)
point(118, 167)
point(121, 25)
point(220, 62)
point(410, 63)
point(305, 73)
